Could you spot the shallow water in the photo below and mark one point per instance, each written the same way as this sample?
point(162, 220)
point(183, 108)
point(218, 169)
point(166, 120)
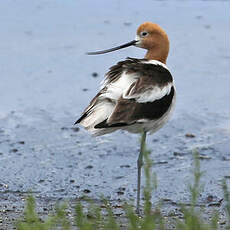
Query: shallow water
point(46, 81)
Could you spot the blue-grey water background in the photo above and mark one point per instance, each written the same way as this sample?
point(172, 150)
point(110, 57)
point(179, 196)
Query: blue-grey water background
point(46, 81)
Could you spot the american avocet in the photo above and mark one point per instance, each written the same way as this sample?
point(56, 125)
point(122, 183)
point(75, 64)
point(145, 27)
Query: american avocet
point(137, 95)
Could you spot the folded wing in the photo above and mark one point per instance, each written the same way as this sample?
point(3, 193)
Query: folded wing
point(134, 91)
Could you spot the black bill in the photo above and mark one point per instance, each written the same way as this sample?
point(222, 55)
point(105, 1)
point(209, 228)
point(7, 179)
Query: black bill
point(113, 49)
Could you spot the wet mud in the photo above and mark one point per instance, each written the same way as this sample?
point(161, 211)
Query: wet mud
point(47, 80)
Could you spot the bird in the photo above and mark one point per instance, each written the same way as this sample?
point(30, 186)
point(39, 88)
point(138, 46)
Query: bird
point(137, 95)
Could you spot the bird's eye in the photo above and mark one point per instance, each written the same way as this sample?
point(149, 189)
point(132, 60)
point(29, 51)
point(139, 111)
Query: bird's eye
point(144, 33)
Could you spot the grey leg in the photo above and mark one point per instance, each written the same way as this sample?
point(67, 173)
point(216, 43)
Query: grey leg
point(139, 166)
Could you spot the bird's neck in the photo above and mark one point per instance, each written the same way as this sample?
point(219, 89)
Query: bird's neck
point(159, 54)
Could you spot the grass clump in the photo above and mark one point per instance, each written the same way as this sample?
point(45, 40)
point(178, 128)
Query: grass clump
point(96, 218)
point(31, 220)
point(192, 216)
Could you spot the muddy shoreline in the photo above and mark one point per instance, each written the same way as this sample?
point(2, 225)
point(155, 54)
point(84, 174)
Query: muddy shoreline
point(47, 80)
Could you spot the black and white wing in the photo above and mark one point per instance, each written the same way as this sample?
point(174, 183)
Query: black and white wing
point(135, 91)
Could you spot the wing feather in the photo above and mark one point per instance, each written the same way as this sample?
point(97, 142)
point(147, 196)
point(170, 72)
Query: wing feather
point(129, 111)
point(146, 90)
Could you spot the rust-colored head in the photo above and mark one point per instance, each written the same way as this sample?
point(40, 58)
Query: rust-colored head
point(152, 37)
point(149, 36)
